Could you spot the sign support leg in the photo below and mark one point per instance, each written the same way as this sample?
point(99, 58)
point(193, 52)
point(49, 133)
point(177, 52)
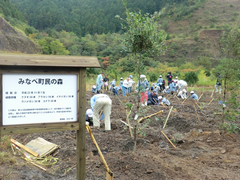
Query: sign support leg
point(81, 135)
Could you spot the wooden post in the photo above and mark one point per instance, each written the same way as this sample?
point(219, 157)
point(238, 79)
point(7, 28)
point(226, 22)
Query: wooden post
point(0, 102)
point(81, 135)
point(212, 93)
point(168, 139)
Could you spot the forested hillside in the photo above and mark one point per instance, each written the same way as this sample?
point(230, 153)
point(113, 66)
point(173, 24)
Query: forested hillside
point(91, 16)
point(9, 10)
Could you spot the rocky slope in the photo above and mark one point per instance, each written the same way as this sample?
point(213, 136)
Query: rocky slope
point(12, 40)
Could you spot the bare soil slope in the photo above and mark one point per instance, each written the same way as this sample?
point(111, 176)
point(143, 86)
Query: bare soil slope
point(11, 40)
point(202, 151)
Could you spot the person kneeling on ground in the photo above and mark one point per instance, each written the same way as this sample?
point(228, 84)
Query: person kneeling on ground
point(115, 90)
point(163, 101)
point(153, 98)
point(101, 102)
point(182, 94)
point(94, 89)
point(89, 117)
point(167, 90)
point(193, 95)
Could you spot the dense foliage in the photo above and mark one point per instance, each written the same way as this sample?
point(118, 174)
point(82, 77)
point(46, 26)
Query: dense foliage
point(10, 11)
point(82, 17)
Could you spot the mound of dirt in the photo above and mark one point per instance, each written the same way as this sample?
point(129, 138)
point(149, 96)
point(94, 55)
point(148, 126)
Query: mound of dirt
point(11, 40)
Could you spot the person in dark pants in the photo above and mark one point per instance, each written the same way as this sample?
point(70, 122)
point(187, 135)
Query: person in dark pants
point(153, 98)
point(105, 81)
point(169, 77)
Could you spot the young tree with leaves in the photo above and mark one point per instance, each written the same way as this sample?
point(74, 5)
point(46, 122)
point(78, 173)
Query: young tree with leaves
point(142, 38)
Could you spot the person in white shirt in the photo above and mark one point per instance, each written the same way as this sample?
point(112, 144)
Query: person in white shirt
point(182, 94)
point(181, 84)
point(131, 84)
point(125, 86)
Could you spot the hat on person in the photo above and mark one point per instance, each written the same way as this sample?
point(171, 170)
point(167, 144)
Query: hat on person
point(159, 97)
point(192, 92)
point(94, 86)
point(155, 91)
point(184, 90)
point(89, 113)
point(121, 78)
point(176, 77)
point(160, 76)
point(142, 76)
point(131, 76)
point(167, 87)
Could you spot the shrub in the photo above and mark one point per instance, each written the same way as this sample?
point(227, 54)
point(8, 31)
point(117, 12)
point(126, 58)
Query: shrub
point(224, 11)
point(231, 5)
point(212, 25)
point(153, 77)
point(191, 78)
point(233, 18)
point(207, 73)
point(196, 37)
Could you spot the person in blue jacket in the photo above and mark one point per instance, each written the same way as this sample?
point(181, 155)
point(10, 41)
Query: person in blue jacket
point(172, 87)
point(94, 89)
point(99, 82)
point(153, 98)
point(163, 101)
point(193, 95)
point(160, 83)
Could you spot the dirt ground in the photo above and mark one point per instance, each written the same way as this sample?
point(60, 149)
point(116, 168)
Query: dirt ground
point(202, 151)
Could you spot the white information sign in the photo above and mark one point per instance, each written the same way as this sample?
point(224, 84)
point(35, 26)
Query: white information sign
point(39, 98)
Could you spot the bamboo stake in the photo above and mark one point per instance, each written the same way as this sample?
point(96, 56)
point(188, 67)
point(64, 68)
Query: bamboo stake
point(130, 130)
point(200, 97)
point(149, 116)
point(184, 100)
point(196, 112)
point(24, 147)
point(126, 124)
point(168, 139)
point(155, 100)
point(100, 114)
point(203, 113)
point(210, 101)
point(35, 164)
point(119, 100)
point(99, 151)
point(212, 93)
point(197, 105)
point(168, 117)
point(69, 169)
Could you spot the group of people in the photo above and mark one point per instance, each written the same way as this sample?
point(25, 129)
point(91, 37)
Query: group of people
point(103, 83)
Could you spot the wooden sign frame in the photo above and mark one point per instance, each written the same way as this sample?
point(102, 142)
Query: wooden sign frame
point(40, 64)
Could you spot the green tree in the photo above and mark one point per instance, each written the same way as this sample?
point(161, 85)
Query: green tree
point(191, 78)
point(58, 48)
point(143, 39)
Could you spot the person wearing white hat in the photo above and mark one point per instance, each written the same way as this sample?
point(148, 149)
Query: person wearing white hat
point(89, 117)
point(182, 94)
point(143, 90)
point(94, 89)
point(160, 83)
point(163, 101)
point(181, 84)
point(193, 95)
point(125, 86)
point(167, 90)
point(101, 102)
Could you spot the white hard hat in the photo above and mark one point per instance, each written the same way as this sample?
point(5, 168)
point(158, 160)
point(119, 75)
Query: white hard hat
point(184, 90)
point(160, 76)
point(121, 78)
point(89, 113)
point(167, 87)
point(192, 92)
point(94, 86)
point(159, 97)
point(176, 77)
point(142, 76)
